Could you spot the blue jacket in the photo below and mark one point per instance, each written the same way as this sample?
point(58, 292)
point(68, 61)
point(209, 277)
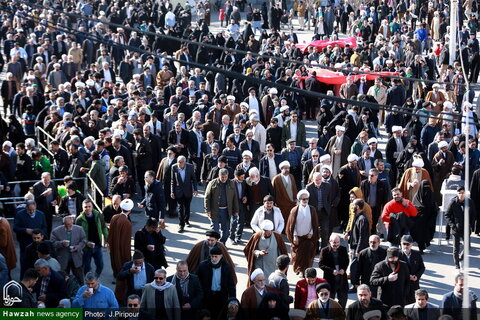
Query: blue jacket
point(23, 221)
point(422, 34)
point(452, 306)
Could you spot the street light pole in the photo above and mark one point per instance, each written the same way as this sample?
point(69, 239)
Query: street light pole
point(453, 30)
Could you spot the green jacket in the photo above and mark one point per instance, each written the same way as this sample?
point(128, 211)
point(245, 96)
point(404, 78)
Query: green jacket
point(101, 226)
point(212, 198)
point(301, 137)
point(97, 174)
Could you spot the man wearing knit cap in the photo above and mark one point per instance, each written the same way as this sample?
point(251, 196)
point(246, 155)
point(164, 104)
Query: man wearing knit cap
point(302, 232)
point(393, 277)
point(263, 248)
point(285, 189)
point(254, 294)
point(201, 252)
point(119, 236)
point(339, 148)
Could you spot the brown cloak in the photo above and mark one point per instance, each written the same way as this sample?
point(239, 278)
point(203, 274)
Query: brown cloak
point(252, 244)
point(119, 241)
point(194, 258)
point(282, 200)
point(249, 304)
point(403, 185)
point(306, 248)
point(7, 246)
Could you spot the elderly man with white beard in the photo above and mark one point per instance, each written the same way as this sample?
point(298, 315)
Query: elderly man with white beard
point(302, 231)
point(253, 295)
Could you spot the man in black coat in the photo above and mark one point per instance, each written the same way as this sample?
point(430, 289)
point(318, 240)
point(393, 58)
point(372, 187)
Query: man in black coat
point(154, 201)
point(179, 138)
point(46, 194)
point(364, 304)
point(150, 241)
point(367, 259)
point(312, 84)
point(190, 298)
point(395, 144)
point(377, 200)
point(251, 145)
point(393, 277)
point(129, 269)
point(31, 254)
point(335, 269)
point(60, 160)
point(414, 260)
point(143, 156)
point(51, 286)
point(216, 291)
point(455, 219)
point(320, 198)
point(27, 300)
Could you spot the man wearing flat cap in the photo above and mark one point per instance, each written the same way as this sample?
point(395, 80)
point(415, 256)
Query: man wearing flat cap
point(263, 249)
point(302, 232)
point(119, 236)
point(339, 148)
point(393, 277)
point(201, 252)
point(416, 267)
point(293, 154)
point(325, 307)
point(285, 189)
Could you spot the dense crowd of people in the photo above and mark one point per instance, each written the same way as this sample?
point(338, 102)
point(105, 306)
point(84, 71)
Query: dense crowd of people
point(108, 96)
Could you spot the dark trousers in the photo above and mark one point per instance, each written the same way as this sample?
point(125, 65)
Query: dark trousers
point(375, 216)
point(457, 255)
point(324, 226)
point(172, 204)
point(96, 254)
point(77, 272)
point(340, 290)
point(237, 224)
point(297, 173)
point(49, 221)
point(184, 210)
point(197, 164)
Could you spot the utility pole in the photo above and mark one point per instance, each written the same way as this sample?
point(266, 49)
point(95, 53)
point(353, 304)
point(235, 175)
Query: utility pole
point(453, 30)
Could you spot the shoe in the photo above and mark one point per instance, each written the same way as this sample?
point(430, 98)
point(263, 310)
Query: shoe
point(114, 282)
point(188, 224)
point(230, 242)
point(238, 241)
point(181, 230)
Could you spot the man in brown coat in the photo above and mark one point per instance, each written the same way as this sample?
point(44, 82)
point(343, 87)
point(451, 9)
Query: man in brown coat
point(7, 247)
point(119, 237)
point(253, 295)
point(285, 190)
point(302, 232)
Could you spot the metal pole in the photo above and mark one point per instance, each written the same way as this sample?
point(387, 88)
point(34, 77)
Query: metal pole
point(453, 30)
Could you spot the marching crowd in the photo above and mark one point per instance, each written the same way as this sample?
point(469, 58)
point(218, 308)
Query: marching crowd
point(141, 94)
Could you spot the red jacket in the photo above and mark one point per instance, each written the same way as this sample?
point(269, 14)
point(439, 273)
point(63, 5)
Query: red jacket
point(394, 207)
point(301, 292)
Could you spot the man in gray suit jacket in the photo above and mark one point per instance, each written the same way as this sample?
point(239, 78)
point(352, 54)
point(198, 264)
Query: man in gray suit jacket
point(69, 241)
point(183, 188)
point(415, 310)
point(320, 199)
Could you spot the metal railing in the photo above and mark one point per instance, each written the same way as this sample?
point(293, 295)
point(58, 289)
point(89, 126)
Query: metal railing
point(44, 140)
